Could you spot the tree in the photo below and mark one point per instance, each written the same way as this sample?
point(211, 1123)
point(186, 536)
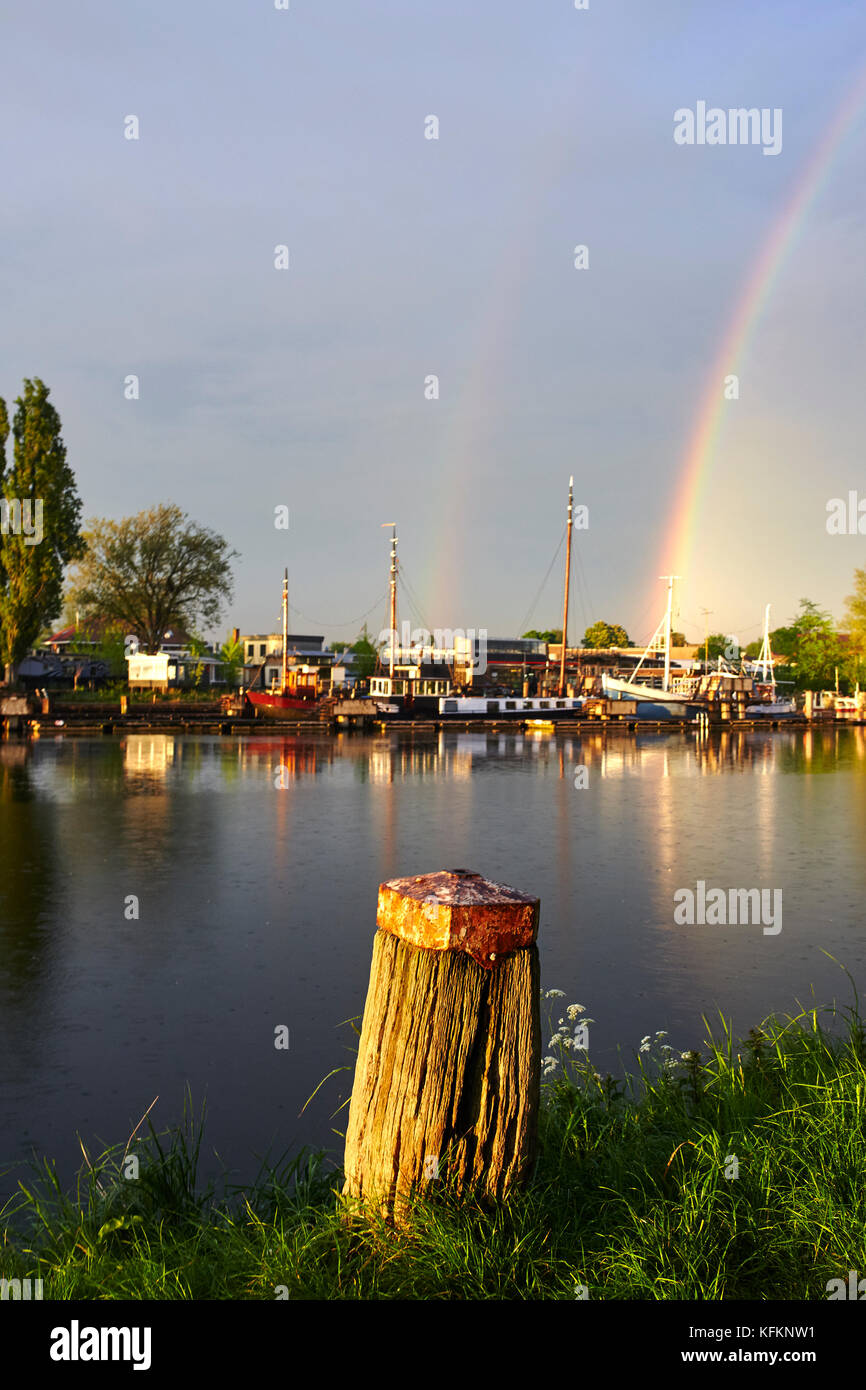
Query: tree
point(231, 654)
point(365, 653)
point(153, 571)
point(678, 639)
point(40, 513)
point(602, 636)
point(551, 635)
point(817, 649)
point(855, 613)
point(716, 645)
point(107, 645)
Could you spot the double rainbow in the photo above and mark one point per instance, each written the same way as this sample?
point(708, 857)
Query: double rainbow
point(709, 422)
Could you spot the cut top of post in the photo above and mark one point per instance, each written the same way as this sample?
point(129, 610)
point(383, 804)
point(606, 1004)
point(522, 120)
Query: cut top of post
point(458, 910)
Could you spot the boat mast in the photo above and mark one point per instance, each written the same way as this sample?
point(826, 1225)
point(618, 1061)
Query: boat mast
point(393, 526)
point(567, 578)
point(670, 578)
point(285, 630)
point(766, 657)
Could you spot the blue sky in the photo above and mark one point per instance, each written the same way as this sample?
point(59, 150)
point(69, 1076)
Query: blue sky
point(409, 257)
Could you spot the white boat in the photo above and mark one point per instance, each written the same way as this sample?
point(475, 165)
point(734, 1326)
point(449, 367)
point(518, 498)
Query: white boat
point(675, 693)
point(770, 706)
point(515, 707)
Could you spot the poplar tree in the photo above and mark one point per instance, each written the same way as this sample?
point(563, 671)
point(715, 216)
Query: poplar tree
point(40, 514)
point(855, 613)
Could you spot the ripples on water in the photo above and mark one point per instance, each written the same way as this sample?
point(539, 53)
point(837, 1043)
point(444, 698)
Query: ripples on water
point(255, 863)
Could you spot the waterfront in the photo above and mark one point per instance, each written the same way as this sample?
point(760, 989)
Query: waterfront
point(255, 863)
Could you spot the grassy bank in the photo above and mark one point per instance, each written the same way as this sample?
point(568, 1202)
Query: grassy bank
point(630, 1197)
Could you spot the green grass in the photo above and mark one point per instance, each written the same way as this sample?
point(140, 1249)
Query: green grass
point(629, 1197)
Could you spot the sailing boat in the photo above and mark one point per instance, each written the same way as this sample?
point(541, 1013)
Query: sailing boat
point(766, 689)
point(411, 687)
point(298, 690)
point(530, 710)
point(672, 698)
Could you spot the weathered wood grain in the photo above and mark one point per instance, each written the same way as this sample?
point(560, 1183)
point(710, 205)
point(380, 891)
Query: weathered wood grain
point(448, 1072)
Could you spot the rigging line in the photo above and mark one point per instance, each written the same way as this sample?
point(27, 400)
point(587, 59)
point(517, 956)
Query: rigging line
point(526, 621)
point(413, 602)
point(403, 578)
point(583, 586)
point(351, 623)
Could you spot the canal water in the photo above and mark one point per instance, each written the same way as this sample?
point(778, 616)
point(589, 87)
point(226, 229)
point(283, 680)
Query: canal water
point(167, 903)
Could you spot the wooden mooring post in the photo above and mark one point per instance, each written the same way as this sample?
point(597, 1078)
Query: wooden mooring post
point(448, 1072)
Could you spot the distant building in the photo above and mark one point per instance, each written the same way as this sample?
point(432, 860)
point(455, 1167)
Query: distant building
point(165, 671)
point(259, 645)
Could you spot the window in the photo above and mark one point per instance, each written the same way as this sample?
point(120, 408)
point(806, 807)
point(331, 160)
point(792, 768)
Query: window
point(544, 704)
point(492, 706)
point(262, 649)
point(449, 706)
point(511, 704)
point(560, 704)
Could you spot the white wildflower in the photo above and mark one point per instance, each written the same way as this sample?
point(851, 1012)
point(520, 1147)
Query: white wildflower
point(555, 994)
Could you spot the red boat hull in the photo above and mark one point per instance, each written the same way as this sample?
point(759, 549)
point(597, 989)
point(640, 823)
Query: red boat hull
point(279, 706)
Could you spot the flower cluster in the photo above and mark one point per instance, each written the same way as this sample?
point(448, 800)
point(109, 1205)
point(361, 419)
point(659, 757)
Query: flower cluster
point(668, 1059)
point(565, 1039)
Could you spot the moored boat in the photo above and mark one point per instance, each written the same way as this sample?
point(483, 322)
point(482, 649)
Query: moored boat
point(298, 690)
point(769, 705)
point(506, 707)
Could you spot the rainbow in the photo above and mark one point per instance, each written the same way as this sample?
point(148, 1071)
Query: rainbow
point(709, 422)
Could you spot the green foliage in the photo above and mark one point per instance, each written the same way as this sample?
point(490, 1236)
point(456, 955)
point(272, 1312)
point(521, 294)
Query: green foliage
point(110, 646)
point(604, 635)
point(231, 655)
point(153, 571)
point(855, 616)
point(716, 645)
point(365, 653)
point(31, 567)
point(678, 639)
point(549, 635)
point(817, 651)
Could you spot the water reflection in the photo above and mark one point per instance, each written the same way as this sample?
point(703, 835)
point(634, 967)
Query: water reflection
point(256, 861)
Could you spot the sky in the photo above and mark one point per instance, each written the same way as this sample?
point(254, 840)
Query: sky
point(411, 257)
